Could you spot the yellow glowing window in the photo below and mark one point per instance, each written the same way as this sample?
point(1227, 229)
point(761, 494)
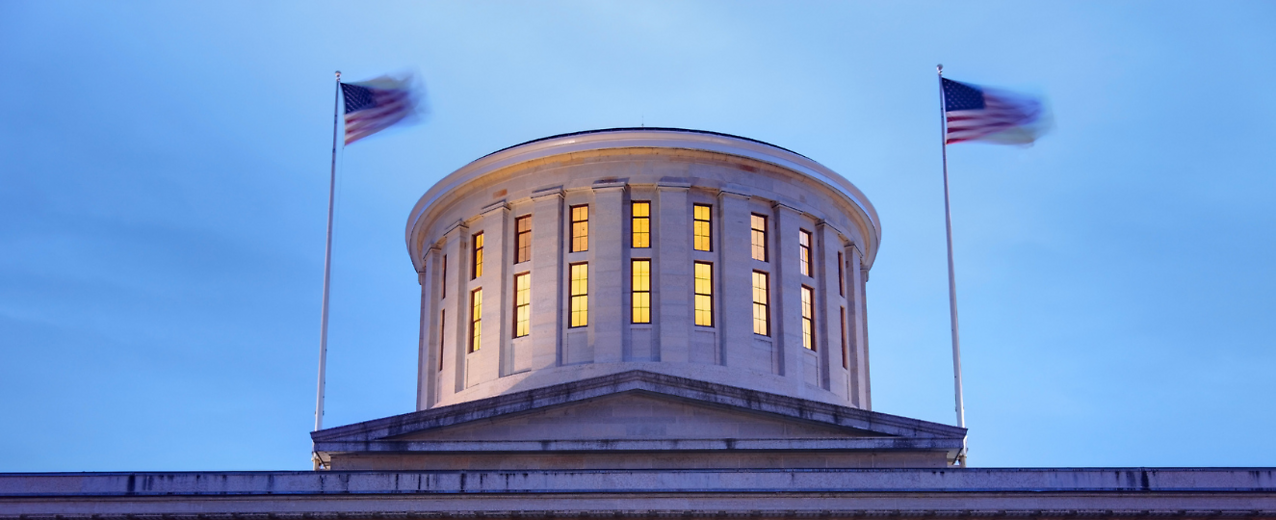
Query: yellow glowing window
point(804, 251)
point(580, 228)
point(579, 295)
point(702, 227)
point(761, 304)
point(522, 304)
point(640, 288)
point(477, 270)
point(476, 319)
point(704, 294)
point(641, 218)
point(808, 318)
point(758, 223)
point(522, 239)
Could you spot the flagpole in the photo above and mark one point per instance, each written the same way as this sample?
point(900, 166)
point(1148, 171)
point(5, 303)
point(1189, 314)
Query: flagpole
point(952, 277)
point(327, 276)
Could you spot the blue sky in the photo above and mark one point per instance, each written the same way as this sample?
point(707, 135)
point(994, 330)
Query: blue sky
point(164, 180)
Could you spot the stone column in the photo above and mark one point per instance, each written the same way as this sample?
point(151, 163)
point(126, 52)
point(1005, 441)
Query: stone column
point(857, 328)
point(429, 349)
point(607, 312)
point(485, 364)
point(828, 309)
point(735, 270)
point(787, 290)
point(547, 289)
point(673, 273)
point(452, 377)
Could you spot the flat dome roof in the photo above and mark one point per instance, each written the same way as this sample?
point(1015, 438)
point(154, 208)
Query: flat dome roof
point(643, 129)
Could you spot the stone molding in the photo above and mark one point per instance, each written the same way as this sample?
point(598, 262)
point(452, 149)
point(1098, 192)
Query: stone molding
point(637, 380)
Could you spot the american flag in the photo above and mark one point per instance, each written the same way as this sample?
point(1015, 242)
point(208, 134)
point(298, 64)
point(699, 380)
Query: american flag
point(980, 114)
point(373, 106)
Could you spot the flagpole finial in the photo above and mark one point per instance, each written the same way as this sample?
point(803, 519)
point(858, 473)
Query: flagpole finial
point(939, 68)
point(338, 75)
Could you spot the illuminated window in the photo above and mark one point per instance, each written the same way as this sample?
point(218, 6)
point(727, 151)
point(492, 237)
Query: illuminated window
point(808, 318)
point(522, 239)
point(761, 304)
point(804, 250)
point(841, 276)
point(443, 277)
point(477, 270)
point(640, 287)
point(642, 224)
point(704, 294)
point(442, 329)
point(580, 295)
point(758, 222)
point(702, 229)
point(580, 228)
point(845, 353)
point(522, 304)
point(476, 319)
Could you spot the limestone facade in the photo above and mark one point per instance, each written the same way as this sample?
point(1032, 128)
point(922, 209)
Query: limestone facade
point(704, 195)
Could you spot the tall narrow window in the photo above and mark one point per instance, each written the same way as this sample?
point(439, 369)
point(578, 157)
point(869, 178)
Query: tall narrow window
point(808, 318)
point(580, 228)
point(522, 239)
point(845, 354)
point(442, 330)
point(702, 227)
point(804, 251)
point(477, 270)
point(579, 295)
point(841, 276)
point(758, 223)
point(443, 277)
point(640, 287)
point(761, 304)
point(641, 218)
point(704, 294)
point(476, 319)
point(522, 304)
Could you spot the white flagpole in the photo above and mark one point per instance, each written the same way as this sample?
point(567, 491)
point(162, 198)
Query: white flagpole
point(952, 277)
point(327, 276)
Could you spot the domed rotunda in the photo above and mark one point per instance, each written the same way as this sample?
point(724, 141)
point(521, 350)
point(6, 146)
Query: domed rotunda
point(642, 297)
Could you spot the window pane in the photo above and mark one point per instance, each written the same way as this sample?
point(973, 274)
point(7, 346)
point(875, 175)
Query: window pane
point(477, 267)
point(640, 286)
point(761, 304)
point(476, 319)
point(641, 222)
point(702, 229)
point(579, 295)
point(522, 304)
point(808, 318)
point(704, 294)
point(523, 239)
point(758, 223)
point(580, 228)
point(804, 252)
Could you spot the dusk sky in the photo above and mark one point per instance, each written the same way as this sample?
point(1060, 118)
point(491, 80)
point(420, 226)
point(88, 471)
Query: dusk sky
point(164, 180)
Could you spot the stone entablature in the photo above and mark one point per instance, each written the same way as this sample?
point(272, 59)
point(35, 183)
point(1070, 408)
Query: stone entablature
point(1094, 493)
point(805, 208)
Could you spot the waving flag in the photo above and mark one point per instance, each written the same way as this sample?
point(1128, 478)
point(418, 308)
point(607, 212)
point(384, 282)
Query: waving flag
point(373, 106)
point(976, 113)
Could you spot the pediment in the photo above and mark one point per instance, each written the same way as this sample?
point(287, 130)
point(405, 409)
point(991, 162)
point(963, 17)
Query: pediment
point(635, 415)
point(636, 405)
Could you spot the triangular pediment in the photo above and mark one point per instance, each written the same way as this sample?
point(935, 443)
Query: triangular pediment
point(636, 405)
point(635, 415)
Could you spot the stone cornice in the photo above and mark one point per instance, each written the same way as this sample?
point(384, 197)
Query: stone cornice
point(637, 380)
